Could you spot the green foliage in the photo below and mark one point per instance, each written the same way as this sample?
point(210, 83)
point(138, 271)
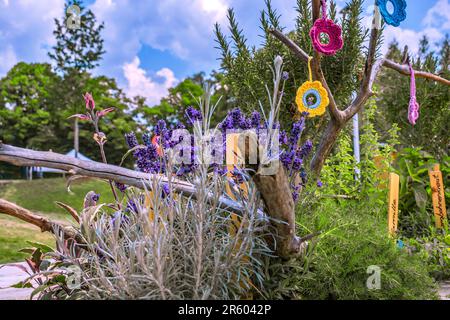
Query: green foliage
point(431, 131)
point(25, 108)
point(354, 237)
point(435, 250)
point(339, 175)
point(415, 204)
point(187, 93)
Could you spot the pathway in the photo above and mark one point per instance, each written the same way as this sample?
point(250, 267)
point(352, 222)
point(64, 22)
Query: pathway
point(10, 276)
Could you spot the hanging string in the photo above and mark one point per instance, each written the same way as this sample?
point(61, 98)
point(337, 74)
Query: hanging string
point(324, 9)
point(413, 109)
point(309, 69)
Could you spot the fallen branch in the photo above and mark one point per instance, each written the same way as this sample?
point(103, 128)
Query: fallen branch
point(43, 223)
point(30, 158)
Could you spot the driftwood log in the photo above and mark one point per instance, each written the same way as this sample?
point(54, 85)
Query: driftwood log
point(273, 189)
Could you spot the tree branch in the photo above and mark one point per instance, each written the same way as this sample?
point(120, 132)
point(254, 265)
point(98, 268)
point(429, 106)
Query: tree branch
point(293, 47)
point(365, 91)
point(30, 158)
point(45, 224)
point(404, 70)
point(372, 68)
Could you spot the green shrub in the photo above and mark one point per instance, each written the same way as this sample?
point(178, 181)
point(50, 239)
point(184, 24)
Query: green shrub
point(354, 237)
point(435, 250)
point(415, 204)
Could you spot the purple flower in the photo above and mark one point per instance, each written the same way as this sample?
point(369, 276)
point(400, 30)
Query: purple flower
point(95, 197)
point(165, 190)
point(160, 128)
point(193, 115)
point(295, 192)
point(255, 119)
point(306, 149)
point(285, 75)
point(283, 138)
point(319, 184)
point(131, 140)
point(227, 124)
point(121, 187)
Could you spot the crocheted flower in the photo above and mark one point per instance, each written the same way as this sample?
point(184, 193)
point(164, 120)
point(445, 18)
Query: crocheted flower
point(413, 110)
point(397, 16)
point(315, 90)
point(334, 33)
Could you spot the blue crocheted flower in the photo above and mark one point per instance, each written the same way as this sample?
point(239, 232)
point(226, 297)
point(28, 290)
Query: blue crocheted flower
point(395, 17)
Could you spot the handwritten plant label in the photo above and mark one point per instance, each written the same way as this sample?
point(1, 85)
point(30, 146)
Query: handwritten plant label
point(394, 183)
point(438, 197)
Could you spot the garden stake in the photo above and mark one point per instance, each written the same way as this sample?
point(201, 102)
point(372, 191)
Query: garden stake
point(394, 182)
point(438, 197)
point(233, 154)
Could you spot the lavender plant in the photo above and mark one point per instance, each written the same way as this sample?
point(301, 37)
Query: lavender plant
point(160, 244)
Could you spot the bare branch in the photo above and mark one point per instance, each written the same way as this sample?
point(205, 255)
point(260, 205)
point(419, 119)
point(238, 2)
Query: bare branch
point(45, 224)
point(295, 49)
point(24, 157)
point(365, 92)
point(404, 70)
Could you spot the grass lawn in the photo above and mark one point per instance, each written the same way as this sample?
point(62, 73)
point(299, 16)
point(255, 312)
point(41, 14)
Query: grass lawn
point(39, 196)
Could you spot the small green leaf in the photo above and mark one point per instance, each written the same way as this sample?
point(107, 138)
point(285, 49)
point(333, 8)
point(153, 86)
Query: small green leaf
point(43, 247)
point(21, 285)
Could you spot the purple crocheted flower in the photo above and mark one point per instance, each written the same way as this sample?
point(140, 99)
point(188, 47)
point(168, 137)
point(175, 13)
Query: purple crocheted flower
point(413, 110)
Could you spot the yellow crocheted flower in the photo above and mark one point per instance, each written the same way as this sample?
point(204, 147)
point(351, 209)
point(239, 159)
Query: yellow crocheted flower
point(316, 90)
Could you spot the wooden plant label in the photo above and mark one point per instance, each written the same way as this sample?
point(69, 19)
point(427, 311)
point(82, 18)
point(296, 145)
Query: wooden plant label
point(394, 182)
point(438, 197)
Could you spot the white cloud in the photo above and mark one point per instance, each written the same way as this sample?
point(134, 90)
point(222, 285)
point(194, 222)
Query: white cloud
point(436, 22)
point(26, 30)
point(8, 59)
point(182, 28)
point(438, 15)
point(139, 83)
point(410, 38)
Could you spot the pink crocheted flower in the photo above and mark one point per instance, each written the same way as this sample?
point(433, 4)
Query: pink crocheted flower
point(334, 33)
point(413, 110)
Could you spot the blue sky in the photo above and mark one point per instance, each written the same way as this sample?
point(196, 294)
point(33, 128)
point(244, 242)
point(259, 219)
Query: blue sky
point(153, 44)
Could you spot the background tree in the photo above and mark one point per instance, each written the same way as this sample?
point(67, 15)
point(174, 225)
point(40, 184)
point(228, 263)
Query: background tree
point(78, 50)
point(26, 113)
point(431, 133)
point(187, 93)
